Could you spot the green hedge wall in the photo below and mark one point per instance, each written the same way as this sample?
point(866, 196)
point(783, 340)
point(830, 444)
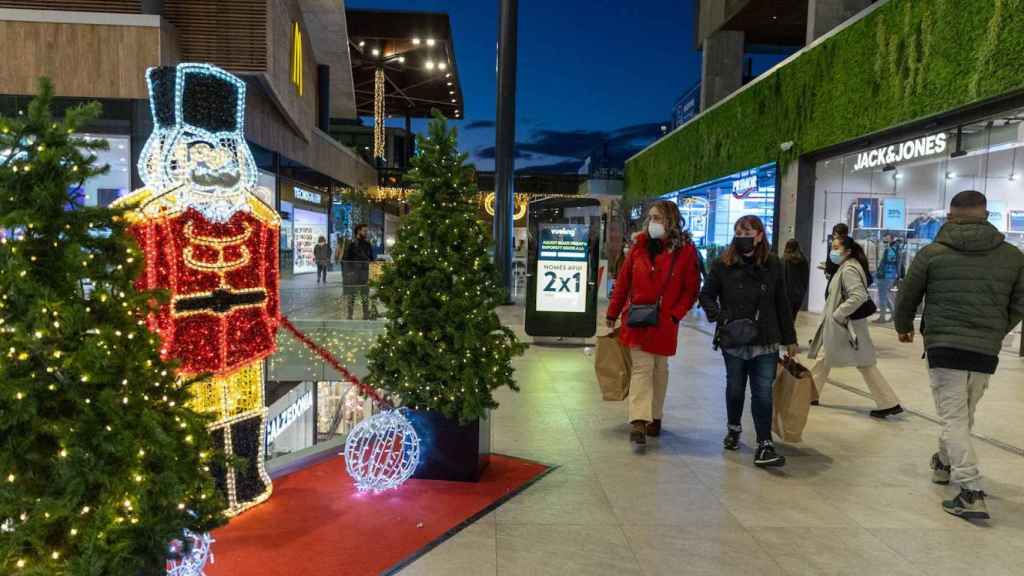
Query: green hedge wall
point(907, 60)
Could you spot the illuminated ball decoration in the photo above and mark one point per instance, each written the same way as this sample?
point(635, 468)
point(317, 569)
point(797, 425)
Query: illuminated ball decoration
point(189, 556)
point(382, 452)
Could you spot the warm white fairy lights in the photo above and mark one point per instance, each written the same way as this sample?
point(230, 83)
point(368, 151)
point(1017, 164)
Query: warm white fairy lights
point(190, 556)
point(218, 167)
point(378, 113)
point(382, 452)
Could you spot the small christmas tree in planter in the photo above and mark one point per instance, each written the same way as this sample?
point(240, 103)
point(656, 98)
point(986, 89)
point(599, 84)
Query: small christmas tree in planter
point(445, 350)
point(101, 461)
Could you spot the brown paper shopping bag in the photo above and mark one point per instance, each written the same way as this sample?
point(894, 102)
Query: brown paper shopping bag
point(791, 400)
point(613, 365)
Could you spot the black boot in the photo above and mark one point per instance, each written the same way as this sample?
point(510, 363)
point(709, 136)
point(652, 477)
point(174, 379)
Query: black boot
point(732, 439)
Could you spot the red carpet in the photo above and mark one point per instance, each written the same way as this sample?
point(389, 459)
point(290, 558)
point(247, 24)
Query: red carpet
point(317, 524)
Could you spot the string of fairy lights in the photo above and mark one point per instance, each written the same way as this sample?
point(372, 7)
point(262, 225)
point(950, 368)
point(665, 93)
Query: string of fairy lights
point(378, 113)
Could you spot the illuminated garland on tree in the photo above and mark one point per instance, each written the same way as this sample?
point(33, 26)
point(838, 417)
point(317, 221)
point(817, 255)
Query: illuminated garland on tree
point(445, 349)
point(101, 459)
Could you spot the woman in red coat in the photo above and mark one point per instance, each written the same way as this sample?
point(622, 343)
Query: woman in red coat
point(660, 268)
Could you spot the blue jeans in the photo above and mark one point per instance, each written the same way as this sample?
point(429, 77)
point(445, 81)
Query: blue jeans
point(884, 295)
point(760, 371)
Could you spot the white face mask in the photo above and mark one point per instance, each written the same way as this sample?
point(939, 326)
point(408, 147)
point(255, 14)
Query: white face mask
point(656, 230)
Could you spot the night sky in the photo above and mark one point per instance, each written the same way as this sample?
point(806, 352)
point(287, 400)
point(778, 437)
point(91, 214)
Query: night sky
point(590, 72)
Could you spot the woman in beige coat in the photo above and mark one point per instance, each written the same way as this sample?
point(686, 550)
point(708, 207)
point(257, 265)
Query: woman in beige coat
point(844, 342)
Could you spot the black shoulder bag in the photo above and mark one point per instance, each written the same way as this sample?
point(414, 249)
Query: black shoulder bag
point(646, 315)
point(742, 331)
point(865, 310)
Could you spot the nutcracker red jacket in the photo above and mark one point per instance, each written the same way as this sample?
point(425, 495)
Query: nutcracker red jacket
point(643, 282)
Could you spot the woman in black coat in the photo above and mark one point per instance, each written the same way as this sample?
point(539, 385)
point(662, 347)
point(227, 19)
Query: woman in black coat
point(745, 288)
point(797, 273)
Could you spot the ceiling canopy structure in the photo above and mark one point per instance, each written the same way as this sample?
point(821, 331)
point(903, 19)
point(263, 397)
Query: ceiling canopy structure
point(415, 53)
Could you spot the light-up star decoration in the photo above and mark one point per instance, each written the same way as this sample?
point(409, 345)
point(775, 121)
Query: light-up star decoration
point(382, 452)
point(212, 245)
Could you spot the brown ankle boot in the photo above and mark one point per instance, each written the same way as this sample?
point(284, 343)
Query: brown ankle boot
point(638, 435)
point(654, 428)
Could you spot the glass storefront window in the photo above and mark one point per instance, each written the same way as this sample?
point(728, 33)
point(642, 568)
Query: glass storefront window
point(903, 189)
point(104, 189)
point(290, 421)
point(710, 210)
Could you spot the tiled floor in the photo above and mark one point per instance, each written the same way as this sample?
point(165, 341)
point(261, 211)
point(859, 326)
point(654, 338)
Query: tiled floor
point(854, 499)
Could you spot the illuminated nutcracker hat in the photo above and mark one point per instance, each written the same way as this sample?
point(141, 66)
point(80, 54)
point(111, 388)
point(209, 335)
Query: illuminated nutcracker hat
point(192, 105)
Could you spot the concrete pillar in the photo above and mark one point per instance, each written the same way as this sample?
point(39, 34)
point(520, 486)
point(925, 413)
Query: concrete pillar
point(721, 67)
point(795, 197)
point(824, 15)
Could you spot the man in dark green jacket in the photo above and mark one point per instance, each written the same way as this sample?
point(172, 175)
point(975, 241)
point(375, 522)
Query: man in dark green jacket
point(972, 282)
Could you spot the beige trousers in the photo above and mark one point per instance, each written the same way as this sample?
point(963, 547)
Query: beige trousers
point(647, 385)
point(957, 393)
point(881, 391)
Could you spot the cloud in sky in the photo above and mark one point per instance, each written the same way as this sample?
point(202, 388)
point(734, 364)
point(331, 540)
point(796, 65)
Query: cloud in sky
point(478, 124)
point(553, 150)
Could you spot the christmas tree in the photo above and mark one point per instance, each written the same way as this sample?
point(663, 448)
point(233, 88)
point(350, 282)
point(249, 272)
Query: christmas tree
point(445, 349)
point(101, 462)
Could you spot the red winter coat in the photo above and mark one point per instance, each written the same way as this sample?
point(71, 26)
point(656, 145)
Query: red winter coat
point(641, 281)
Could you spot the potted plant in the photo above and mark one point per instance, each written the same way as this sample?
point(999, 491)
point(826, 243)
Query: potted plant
point(444, 350)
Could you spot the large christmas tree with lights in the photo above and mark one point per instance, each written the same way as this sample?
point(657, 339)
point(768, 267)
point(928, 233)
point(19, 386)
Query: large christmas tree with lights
point(102, 463)
point(445, 350)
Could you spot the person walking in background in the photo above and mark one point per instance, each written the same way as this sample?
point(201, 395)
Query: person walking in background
point(356, 271)
point(840, 230)
point(655, 288)
point(745, 294)
point(886, 276)
point(843, 338)
point(797, 274)
point(322, 255)
point(972, 282)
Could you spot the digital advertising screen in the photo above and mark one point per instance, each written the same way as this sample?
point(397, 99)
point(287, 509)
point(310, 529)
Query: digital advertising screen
point(562, 266)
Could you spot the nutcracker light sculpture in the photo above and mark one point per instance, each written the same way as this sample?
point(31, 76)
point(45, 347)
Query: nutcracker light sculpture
point(212, 244)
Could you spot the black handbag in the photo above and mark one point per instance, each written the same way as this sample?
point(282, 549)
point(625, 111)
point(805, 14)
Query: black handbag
point(742, 331)
point(865, 310)
point(646, 315)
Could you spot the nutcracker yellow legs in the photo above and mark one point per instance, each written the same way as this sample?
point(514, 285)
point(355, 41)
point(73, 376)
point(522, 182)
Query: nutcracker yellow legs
point(236, 401)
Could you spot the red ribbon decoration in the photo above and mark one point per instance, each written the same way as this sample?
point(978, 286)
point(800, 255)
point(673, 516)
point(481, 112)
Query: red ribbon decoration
point(330, 359)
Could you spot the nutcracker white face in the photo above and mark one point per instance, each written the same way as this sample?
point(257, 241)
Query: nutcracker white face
point(198, 147)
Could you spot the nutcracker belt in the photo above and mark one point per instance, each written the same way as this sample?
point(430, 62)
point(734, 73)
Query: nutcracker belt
point(220, 301)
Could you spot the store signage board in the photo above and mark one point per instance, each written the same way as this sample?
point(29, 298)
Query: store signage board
point(562, 267)
point(895, 217)
point(306, 195)
point(288, 416)
point(903, 152)
point(745, 185)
